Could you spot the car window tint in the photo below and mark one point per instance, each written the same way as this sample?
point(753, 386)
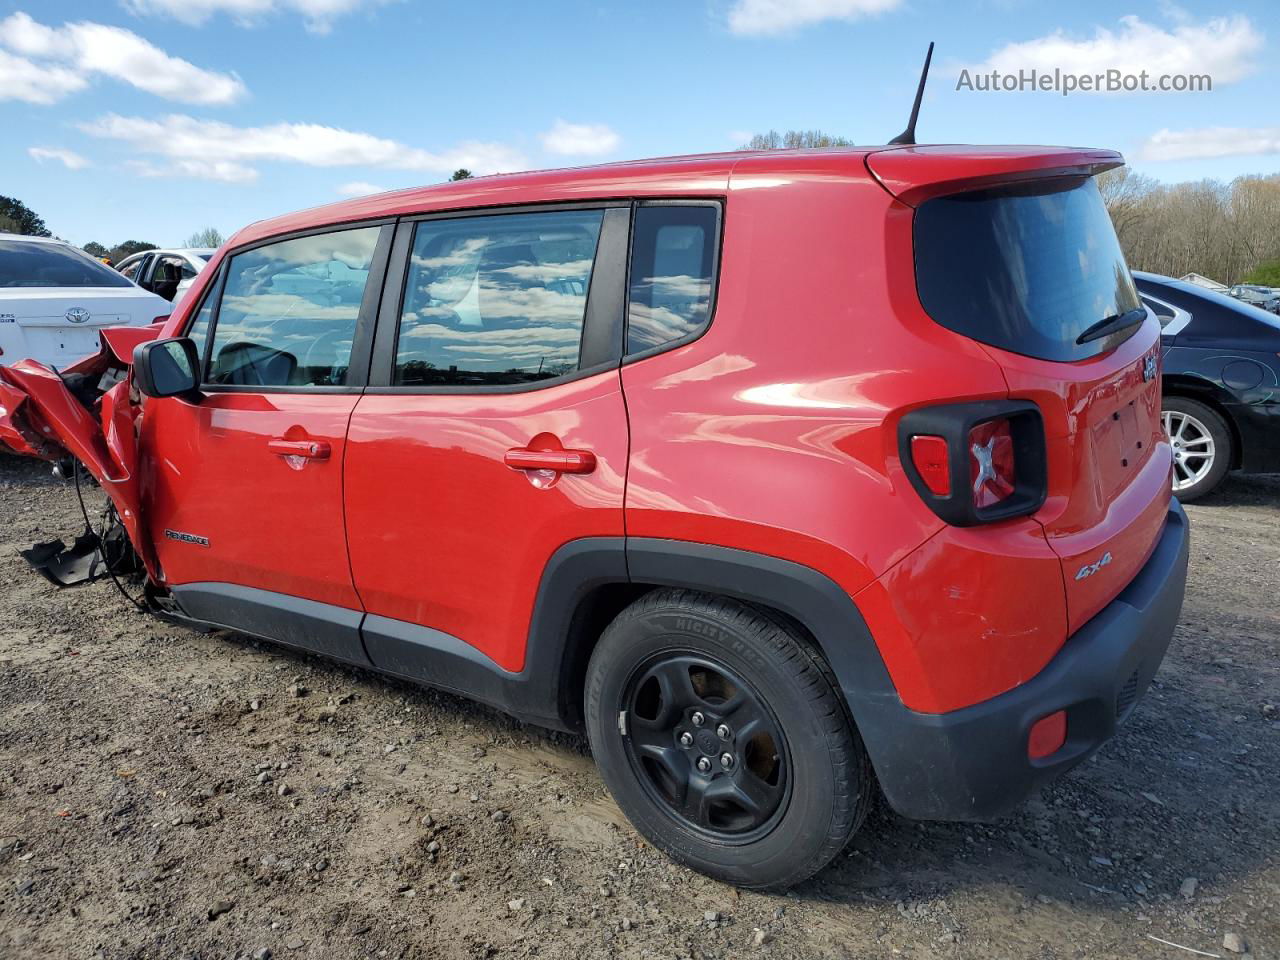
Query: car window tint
point(288, 311)
point(1027, 268)
point(496, 300)
point(672, 254)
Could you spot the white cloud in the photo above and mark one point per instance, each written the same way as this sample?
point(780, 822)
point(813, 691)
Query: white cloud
point(359, 188)
point(67, 56)
point(1210, 142)
point(69, 159)
point(221, 171)
point(1222, 47)
point(211, 150)
point(579, 139)
point(779, 16)
point(21, 79)
point(318, 14)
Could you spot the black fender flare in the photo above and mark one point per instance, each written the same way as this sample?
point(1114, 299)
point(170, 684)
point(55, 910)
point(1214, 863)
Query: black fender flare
point(812, 599)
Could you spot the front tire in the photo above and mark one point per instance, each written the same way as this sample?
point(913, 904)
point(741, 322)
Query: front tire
point(1202, 447)
point(719, 731)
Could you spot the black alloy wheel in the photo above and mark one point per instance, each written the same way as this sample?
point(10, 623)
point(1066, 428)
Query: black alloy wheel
point(702, 740)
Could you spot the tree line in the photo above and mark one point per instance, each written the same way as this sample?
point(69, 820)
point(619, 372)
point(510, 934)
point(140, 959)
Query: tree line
point(208, 237)
point(1227, 231)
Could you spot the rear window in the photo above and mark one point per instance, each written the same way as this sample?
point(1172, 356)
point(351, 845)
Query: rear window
point(27, 264)
point(1026, 269)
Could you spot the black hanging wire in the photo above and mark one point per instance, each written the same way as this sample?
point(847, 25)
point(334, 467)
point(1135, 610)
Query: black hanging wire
point(88, 525)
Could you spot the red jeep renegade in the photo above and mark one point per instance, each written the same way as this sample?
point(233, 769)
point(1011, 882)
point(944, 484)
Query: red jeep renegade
point(789, 476)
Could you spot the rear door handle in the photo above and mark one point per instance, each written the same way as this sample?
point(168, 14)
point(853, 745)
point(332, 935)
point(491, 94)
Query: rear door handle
point(561, 461)
point(311, 449)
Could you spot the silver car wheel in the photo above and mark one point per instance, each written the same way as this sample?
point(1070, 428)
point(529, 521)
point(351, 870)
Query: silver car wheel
point(1193, 449)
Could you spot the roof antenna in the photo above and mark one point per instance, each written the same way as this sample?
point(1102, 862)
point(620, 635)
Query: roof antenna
point(908, 136)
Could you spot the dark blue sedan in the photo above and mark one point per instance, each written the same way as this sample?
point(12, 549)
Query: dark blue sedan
point(1221, 383)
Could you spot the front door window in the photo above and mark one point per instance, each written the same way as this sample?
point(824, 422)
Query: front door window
point(289, 311)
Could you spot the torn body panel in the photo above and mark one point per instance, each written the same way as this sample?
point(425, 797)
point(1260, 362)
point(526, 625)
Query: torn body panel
point(85, 413)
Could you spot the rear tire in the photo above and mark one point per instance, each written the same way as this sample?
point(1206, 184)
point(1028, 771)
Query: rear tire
point(682, 679)
point(1203, 447)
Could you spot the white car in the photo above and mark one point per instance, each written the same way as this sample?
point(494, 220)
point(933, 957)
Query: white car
point(166, 273)
point(54, 298)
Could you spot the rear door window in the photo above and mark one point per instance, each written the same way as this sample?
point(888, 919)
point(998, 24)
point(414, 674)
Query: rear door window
point(496, 300)
point(1026, 269)
point(288, 312)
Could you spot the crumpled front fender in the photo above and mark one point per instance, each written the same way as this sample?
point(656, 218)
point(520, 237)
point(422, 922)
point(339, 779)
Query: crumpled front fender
point(41, 417)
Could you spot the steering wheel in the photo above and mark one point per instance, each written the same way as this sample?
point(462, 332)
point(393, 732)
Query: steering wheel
point(315, 353)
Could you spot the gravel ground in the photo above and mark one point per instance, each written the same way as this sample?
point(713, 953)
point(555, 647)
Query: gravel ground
point(165, 793)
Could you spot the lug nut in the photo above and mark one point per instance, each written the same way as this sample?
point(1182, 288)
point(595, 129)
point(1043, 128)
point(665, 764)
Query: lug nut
point(726, 760)
point(698, 719)
point(704, 765)
point(723, 731)
point(686, 739)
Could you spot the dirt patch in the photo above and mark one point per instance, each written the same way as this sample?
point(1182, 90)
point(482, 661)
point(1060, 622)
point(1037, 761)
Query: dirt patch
point(165, 793)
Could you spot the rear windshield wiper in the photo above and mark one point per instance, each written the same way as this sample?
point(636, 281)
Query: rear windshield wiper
point(1113, 324)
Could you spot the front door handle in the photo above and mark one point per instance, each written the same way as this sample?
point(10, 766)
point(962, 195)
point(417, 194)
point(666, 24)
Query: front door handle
point(310, 449)
point(559, 461)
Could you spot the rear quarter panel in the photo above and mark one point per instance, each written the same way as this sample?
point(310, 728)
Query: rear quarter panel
point(775, 432)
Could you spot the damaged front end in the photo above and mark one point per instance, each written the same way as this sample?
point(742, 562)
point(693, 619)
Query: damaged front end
point(84, 421)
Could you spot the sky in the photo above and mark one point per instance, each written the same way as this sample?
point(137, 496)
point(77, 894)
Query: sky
point(152, 119)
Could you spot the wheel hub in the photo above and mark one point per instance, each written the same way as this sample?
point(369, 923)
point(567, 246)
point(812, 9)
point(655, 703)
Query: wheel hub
point(707, 742)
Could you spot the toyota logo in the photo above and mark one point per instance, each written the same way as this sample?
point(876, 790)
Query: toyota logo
point(78, 315)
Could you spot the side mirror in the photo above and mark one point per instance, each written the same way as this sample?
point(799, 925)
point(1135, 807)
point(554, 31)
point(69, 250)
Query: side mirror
point(167, 368)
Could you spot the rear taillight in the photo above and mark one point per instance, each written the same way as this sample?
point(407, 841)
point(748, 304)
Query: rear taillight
point(976, 463)
point(992, 475)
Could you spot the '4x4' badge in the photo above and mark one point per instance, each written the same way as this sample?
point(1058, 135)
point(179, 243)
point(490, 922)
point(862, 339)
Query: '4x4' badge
point(1089, 569)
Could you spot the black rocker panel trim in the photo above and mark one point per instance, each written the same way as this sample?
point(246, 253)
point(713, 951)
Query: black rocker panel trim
point(541, 693)
point(307, 624)
point(537, 694)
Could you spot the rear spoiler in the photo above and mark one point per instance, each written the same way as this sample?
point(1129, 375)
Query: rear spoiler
point(914, 174)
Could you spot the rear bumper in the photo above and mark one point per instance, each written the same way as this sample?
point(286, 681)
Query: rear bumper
point(972, 764)
point(1259, 426)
